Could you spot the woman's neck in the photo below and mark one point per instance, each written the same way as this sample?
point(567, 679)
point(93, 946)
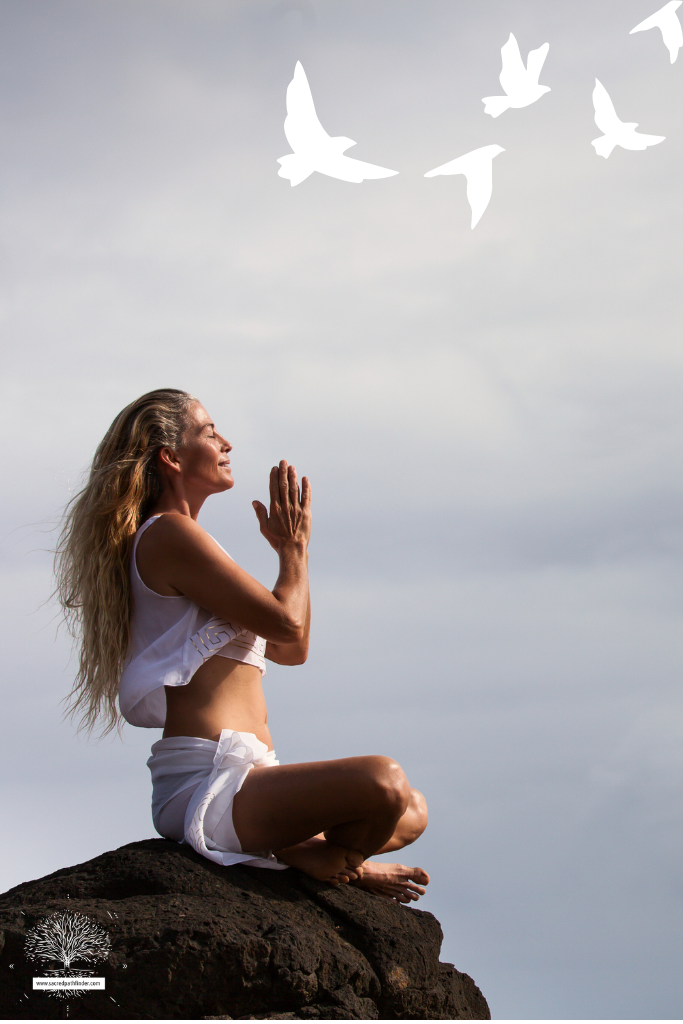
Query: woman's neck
point(173, 500)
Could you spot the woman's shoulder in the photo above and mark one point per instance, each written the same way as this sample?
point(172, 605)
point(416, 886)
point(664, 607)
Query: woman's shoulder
point(173, 551)
point(179, 533)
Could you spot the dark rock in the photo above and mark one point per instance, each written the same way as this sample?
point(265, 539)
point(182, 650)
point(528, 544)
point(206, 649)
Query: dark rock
point(191, 939)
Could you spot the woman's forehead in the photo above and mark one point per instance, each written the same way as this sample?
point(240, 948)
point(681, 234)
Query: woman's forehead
point(200, 416)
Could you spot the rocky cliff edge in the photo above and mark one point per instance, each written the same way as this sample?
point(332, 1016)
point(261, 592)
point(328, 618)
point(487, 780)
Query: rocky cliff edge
point(175, 936)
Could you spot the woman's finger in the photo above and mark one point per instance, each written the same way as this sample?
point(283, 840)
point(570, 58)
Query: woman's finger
point(305, 493)
point(284, 488)
point(274, 489)
point(293, 488)
point(261, 513)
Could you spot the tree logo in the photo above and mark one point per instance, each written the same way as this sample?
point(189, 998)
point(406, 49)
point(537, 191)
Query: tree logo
point(62, 939)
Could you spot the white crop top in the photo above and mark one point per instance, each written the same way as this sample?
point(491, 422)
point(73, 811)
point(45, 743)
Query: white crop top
point(171, 637)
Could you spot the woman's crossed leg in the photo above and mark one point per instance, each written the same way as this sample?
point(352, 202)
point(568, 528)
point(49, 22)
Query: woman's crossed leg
point(329, 817)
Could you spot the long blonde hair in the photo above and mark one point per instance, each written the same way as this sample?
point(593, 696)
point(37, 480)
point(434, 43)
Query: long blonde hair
point(94, 547)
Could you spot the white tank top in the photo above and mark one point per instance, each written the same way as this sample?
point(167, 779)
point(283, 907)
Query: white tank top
point(171, 637)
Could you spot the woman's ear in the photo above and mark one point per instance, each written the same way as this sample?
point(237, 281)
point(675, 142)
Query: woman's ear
point(169, 460)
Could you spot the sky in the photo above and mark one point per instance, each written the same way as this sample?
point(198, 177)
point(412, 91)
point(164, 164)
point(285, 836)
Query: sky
point(490, 419)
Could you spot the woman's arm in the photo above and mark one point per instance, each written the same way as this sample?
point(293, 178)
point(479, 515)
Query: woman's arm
point(292, 654)
point(180, 557)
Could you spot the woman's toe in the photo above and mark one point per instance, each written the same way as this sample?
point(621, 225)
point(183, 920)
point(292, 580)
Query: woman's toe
point(354, 858)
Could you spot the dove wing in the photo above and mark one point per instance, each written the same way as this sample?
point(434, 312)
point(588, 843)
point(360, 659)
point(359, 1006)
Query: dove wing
point(644, 141)
point(347, 168)
point(452, 167)
point(651, 22)
point(605, 114)
point(536, 60)
point(656, 20)
point(513, 66)
point(302, 127)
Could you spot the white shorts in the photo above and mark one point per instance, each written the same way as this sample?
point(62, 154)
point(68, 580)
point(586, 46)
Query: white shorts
point(194, 782)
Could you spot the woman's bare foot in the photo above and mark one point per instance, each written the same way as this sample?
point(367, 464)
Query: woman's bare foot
point(323, 860)
point(392, 881)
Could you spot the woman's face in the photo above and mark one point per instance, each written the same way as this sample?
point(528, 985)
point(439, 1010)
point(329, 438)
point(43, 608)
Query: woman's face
point(203, 455)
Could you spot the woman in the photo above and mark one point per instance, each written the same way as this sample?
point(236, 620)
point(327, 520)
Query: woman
point(171, 624)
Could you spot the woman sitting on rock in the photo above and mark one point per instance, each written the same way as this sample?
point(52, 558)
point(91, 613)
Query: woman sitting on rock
point(170, 622)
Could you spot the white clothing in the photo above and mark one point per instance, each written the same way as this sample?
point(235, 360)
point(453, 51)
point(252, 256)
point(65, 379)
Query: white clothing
point(194, 782)
point(171, 637)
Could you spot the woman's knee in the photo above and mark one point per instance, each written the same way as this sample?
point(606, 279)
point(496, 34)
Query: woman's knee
point(390, 785)
point(417, 811)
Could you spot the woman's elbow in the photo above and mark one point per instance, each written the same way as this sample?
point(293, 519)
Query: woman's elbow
point(292, 631)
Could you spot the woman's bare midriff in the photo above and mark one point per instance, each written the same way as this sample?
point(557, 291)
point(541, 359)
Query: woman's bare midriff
point(222, 694)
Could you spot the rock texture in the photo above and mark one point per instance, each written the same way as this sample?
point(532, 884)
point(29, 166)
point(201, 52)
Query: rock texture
point(191, 939)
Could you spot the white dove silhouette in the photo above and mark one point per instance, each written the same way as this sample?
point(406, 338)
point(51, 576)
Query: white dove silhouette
point(477, 166)
point(314, 149)
point(667, 21)
point(617, 133)
point(520, 83)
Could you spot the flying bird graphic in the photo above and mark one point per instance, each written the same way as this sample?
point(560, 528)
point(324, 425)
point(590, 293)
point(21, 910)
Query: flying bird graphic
point(617, 133)
point(666, 20)
point(519, 82)
point(314, 149)
point(477, 166)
